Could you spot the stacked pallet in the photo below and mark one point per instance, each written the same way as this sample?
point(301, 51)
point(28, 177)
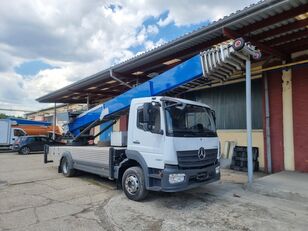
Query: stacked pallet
point(239, 158)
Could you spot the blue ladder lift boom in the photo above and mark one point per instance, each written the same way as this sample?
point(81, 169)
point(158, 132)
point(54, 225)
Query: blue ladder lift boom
point(174, 77)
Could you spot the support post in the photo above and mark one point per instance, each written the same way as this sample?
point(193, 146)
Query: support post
point(248, 121)
point(54, 122)
point(287, 107)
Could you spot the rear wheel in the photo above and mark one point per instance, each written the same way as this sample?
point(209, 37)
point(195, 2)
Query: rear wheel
point(133, 184)
point(25, 150)
point(66, 168)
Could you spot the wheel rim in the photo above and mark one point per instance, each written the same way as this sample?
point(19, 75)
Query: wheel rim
point(132, 184)
point(65, 167)
point(25, 150)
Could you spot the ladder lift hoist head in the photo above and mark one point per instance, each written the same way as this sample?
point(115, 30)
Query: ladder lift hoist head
point(223, 61)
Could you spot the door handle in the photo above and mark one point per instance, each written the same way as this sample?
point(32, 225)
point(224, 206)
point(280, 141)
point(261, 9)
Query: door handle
point(136, 142)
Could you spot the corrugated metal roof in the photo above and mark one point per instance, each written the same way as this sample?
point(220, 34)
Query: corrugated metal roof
point(189, 44)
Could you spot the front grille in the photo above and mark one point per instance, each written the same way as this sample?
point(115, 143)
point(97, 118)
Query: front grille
point(190, 159)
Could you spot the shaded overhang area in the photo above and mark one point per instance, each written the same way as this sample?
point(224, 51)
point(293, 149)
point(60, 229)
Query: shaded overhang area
point(277, 28)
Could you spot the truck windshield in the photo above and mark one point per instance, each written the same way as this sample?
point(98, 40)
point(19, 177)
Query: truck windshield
point(186, 120)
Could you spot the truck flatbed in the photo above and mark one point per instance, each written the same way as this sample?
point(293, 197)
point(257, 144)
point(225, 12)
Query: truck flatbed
point(91, 159)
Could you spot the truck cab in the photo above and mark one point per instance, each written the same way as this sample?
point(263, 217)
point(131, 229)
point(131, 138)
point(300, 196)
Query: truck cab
point(176, 138)
point(16, 133)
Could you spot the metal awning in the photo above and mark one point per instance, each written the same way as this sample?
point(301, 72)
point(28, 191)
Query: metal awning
point(277, 27)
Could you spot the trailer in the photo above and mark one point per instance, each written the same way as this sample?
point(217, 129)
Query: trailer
point(172, 144)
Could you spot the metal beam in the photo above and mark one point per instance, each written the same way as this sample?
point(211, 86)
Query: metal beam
point(282, 29)
point(54, 122)
point(271, 51)
point(248, 122)
point(105, 129)
point(298, 45)
point(10, 109)
point(287, 38)
point(274, 19)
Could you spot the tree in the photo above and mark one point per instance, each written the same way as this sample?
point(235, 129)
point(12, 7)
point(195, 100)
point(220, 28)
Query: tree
point(3, 116)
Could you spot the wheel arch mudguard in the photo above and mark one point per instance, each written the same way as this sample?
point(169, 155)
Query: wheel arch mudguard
point(133, 157)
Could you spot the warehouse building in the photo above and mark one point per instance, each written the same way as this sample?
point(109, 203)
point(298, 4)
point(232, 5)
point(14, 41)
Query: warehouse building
point(279, 81)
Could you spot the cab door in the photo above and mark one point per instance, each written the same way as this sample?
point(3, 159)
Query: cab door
point(149, 143)
point(16, 133)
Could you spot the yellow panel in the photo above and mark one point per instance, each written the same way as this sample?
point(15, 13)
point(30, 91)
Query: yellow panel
point(240, 137)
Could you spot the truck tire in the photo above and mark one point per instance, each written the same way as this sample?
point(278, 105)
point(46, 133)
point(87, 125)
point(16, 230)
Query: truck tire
point(133, 184)
point(66, 169)
point(25, 150)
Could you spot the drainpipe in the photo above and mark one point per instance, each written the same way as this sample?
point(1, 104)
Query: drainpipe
point(267, 126)
point(88, 102)
point(111, 73)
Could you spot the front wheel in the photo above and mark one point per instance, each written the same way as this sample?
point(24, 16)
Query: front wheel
point(25, 150)
point(133, 184)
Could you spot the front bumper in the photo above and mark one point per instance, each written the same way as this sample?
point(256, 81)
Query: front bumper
point(193, 177)
point(15, 147)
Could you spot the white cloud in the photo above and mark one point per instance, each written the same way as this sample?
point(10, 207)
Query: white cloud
point(152, 29)
point(83, 37)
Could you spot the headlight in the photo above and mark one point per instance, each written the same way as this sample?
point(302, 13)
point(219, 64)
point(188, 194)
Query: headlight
point(176, 178)
point(217, 170)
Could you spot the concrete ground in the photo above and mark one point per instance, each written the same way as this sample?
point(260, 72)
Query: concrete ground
point(33, 196)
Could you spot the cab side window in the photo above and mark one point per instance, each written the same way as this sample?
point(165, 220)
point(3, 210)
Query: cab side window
point(154, 123)
point(18, 132)
point(140, 121)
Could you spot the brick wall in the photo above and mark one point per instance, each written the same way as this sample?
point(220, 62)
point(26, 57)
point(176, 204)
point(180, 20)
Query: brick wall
point(300, 117)
point(276, 123)
point(123, 123)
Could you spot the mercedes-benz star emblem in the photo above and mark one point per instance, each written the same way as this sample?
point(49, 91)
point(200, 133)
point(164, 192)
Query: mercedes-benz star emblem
point(201, 153)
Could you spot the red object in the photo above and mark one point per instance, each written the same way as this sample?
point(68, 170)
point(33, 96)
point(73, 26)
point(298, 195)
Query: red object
point(276, 121)
point(300, 117)
point(123, 123)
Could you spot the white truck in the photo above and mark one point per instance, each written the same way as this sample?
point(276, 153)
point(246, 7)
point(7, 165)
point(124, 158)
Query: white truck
point(172, 145)
point(8, 133)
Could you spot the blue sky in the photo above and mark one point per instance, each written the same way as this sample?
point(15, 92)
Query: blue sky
point(30, 68)
point(48, 44)
point(168, 32)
